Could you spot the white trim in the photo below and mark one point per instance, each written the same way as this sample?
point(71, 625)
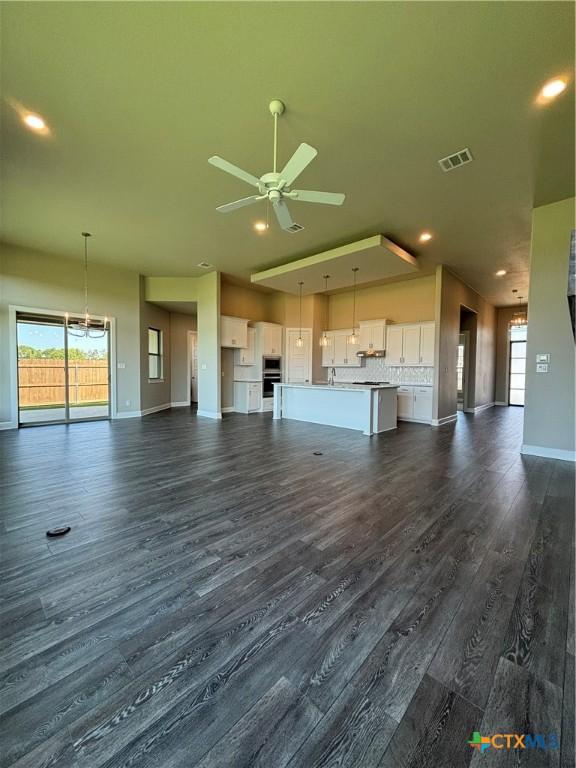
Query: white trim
point(183, 404)
point(548, 453)
point(498, 402)
point(210, 414)
point(414, 421)
point(8, 425)
point(189, 336)
point(127, 415)
point(228, 409)
point(479, 408)
point(155, 409)
point(444, 420)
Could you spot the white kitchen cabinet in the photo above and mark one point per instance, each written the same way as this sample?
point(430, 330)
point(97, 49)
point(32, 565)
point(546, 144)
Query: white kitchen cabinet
point(394, 336)
point(340, 348)
point(247, 355)
point(415, 403)
point(233, 332)
point(247, 396)
point(405, 402)
point(410, 344)
point(427, 343)
point(372, 335)
point(422, 403)
point(328, 351)
point(271, 339)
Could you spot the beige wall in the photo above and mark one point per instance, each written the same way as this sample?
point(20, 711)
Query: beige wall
point(34, 279)
point(503, 317)
point(451, 294)
point(156, 393)
point(403, 302)
point(205, 292)
point(180, 324)
point(227, 366)
point(549, 411)
point(241, 301)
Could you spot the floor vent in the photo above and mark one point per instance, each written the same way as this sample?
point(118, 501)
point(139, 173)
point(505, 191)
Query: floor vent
point(295, 228)
point(451, 162)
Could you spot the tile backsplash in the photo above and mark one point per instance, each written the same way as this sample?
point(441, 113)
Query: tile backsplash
point(376, 370)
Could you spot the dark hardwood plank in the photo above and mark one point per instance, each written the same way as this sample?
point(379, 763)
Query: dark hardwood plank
point(568, 754)
point(521, 703)
point(225, 596)
point(434, 731)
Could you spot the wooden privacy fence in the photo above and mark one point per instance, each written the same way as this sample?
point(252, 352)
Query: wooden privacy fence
point(43, 382)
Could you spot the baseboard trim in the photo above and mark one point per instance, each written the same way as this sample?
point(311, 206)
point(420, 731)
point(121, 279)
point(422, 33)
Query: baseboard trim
point(8, 425)
point(413, 421)
point(210, 414)
point(548, 453)
point(183, 404)
point(228, 409)
point(444, 420)
point(156, 408)
point(126, 415)
point(498, 402)
point(479, 408)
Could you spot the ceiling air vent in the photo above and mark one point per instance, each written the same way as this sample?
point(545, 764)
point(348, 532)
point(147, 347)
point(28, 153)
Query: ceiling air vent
point(204, 265)
point(295, 228)
point(451, 162)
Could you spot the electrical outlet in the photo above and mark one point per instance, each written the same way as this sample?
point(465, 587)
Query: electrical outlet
point(128, 402)
point(203, 366)
point(541, 367)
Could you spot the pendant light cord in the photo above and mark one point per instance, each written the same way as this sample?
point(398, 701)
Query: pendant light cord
point(355, 269)
point(86, 235)
point(300, 332)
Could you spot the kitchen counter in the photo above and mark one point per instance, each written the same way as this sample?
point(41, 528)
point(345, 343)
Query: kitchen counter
point(370, 408)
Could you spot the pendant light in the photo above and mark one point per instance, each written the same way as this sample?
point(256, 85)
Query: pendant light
point(519, 318)
point(85, 327)
point(324, 340)
point(300, 340)
point(353, 338)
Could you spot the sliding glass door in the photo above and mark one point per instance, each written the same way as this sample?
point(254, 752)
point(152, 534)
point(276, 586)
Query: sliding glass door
point(61, 377)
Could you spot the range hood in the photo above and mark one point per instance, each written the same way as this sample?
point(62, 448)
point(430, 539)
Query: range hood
point(371, 353)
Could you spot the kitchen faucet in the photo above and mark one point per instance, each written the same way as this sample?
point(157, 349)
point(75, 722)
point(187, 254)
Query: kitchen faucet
point(332, 376)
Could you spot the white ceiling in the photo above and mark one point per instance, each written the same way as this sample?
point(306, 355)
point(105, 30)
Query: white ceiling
point(139, 95)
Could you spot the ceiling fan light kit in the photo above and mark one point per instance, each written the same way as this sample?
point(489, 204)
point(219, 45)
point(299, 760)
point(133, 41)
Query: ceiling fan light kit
point(276, 186)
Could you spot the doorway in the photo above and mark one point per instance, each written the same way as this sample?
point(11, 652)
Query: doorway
point(298, 359)
point(62, 377)
point(517, 365)
point(193, 366)
point(462, 369)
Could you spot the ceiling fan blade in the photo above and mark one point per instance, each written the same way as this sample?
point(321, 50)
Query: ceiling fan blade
point(224, 165)
point(308, 196)
point(298, 162)
point(239, 203)
point(283, 214)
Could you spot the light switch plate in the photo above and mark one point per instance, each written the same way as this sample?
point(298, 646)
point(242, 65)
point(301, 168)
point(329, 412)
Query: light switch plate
point(121, 365)
point(541, 367)
point(543, 357)
point(203, 366)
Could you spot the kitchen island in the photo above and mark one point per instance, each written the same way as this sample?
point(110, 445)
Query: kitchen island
point(370, 408)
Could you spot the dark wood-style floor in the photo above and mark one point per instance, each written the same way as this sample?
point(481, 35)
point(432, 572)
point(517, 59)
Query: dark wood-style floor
point(228, 598)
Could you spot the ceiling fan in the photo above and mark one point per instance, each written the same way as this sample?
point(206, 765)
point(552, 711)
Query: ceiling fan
point(276, 187)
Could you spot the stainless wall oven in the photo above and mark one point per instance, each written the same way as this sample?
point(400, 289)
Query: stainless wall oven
point(271, 374)
point(272, 364)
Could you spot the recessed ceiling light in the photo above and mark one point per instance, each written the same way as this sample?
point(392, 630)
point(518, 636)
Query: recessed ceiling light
point(34, 122)
point(424, 237)
point(260, 226)
point(553, 88)
point(501, 273)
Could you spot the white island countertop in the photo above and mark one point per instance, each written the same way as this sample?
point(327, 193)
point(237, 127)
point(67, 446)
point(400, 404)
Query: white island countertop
point(343, 385)
point(370, 408)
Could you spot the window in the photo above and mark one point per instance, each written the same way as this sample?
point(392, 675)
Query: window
point(517, 364)
point(154, 354)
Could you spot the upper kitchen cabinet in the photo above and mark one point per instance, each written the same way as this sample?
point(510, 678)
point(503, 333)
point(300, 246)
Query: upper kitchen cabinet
point(411, 344)
point(270, 338)
point(247, 355)
point(372, 335)
point(233, 332)
point(340, 353)
point(427, 343)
